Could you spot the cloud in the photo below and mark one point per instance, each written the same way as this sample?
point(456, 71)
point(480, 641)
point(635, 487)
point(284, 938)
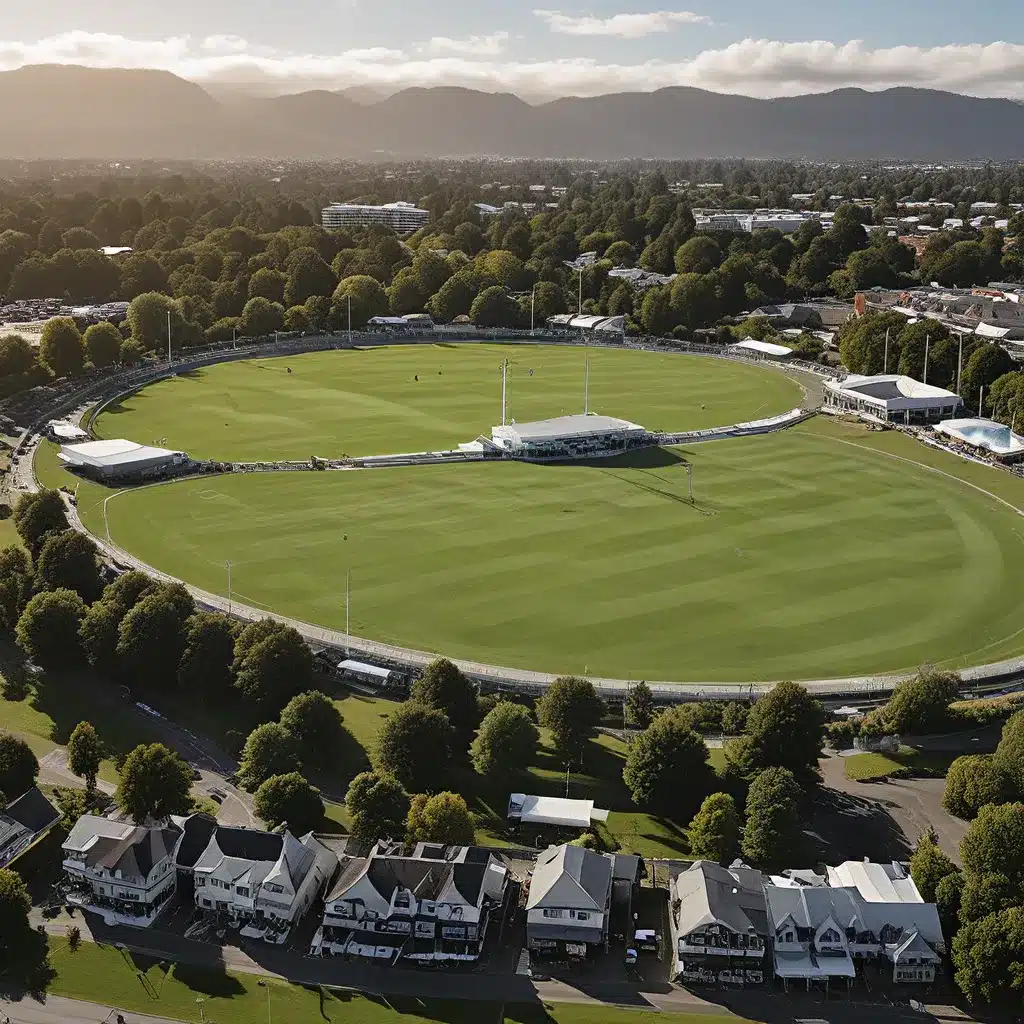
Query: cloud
point(474, 46)
point(752, 67)
point(624, 26)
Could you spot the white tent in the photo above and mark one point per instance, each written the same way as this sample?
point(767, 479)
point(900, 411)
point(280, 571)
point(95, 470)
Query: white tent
point(553, 810)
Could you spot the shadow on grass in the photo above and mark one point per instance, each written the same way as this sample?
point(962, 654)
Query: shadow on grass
point(639, 458)
point(25, 970)
point(214, 984)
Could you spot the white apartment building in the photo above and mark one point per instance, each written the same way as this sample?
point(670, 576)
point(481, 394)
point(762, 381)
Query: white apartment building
point(121, 871)
point(402, 218)
point(260, 882)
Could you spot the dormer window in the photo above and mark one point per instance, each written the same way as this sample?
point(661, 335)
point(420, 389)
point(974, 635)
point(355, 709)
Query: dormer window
point(402, 899)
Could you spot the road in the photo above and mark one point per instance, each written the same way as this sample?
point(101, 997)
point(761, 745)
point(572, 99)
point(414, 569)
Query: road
point(58, 1010)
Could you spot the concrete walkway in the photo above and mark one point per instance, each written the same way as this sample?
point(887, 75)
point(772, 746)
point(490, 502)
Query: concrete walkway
point(58, 1010)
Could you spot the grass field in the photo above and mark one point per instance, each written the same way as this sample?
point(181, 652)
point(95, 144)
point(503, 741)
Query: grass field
point(138, 984)
point(825, 550)
point(369, 402)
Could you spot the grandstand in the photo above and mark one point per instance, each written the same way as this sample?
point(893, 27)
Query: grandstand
point(891, 398)
point(120, 460)
point(569, 437)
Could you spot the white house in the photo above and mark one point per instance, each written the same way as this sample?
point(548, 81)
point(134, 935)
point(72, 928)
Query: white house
point(431, 905)
point(260, 882)
point(569, 903)
point(22, 821)
point(820, 932)
point(122, 871)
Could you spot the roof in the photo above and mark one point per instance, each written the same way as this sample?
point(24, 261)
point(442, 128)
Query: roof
point(91, 827)
point(890, 388)
point(553, 810)
point(876, 883)
point(118, 452)
point(566, 426)
point(764, 347)
point(571, 877)
point(709, 893)
point(588, 322)
point(121, 846)
point(239, 850)
point(65, 430)
point(32, 811)
point(351, 665)
point(197, 830)
point(987, 434)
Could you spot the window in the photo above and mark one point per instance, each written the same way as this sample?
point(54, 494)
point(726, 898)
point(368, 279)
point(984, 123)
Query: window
point(552, 913)
point(200, 880)
point(830, 935)
point(273, 887)
point(788, 937)
point(242, 890)
point(580, 915)
point(402, 899)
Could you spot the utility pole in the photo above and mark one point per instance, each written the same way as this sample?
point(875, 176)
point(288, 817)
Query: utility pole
point(927, 338)
point(959, 363)
point(586, 387)
point(504, 386)
point(533, 306)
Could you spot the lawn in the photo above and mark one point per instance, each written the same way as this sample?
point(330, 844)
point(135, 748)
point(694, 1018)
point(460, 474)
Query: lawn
point(131, 982)
point(811, 553)
point(631, 830)
point(905, 762)
point(370, 401)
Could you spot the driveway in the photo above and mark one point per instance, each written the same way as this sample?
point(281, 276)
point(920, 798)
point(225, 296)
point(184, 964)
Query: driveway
point(913, 804)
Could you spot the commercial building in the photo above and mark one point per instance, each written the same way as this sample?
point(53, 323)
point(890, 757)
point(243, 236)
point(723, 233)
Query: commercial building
point(719, 924)
point(568, 909)
point(984, 436)
point(123, 872)
point(891, 398)
point(432, 905)
point(120, 460)
point(569, 437)
point(588, 323)
point(402, 218)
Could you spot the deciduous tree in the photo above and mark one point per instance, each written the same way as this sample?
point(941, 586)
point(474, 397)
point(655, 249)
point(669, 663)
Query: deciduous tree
point(414, 746)
point(442, 818)
point(972, 782)
point(291, 801)
point(987, 959)
point(18, 766)
point(571, 709)
point(444, 687)
point(103, 344)
point(85, 751)
point(714, 832)
point(506, 743)
point(155, 782)
point(38, 515)
point(929, 866)
point(378, 806)
point(314, 722)
point(61, 347)
point(773, 819)
point(204, 671)
point(69, 560)
point(15, 903)
point(48, 628)
point(639, 706)
point(270, 750)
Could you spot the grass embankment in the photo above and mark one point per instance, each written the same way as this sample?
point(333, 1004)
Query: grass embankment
point(809, 554)
point(137, 984)
point(904, 763)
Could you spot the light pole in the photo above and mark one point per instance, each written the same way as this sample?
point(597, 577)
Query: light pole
point(227, 565)
point(927, 338)
point(348, 620)
point(234, 337)
point(168, 337)
point(533, 306)
point(959, 363)
point(349, 298)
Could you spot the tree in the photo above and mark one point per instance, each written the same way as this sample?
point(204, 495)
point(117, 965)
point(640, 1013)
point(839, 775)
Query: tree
point(413, 745)
point(665, 752)
point(269, 750)
point(378, 805)
point(443, 687)
point(61, 347)
point(15, 903)
point(367, 297)
point(714, 832)
point(785, 729)
point(571, 709)
point(17, 356)
point(773, 818)
point(15, 584)
point(261, 317)
point(986, 365)
point(85, 751)
point(506, 743)
point(700, 255)
point(147, 319)
point(442, 818)
point(972, 782)
point(314, 722)
point(494, 307)
point(151, 638)
point(155, 782)
point(994, 844)
point(69, 559)
point(308, 275)
point(987, 960)
point(695, 300)
point(268, 284)
point(38, 515)
point(204, 671)
point(921, 704)
point(1010, 751)
point(291, 801)
point(274, 670)
point(19, 768)
point(131, 352)
point(948, 896)
point(639, 707)
point(103, 344)
point(48, 628)
point(454, 298)
point(929, 866)
point(986, 894)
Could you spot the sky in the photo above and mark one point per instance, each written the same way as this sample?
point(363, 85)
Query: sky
point(537, 48)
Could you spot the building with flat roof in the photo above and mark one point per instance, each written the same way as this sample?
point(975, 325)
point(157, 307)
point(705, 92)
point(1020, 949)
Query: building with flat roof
point(569, 437)
point(553, 810)
point(985, 435)
point(891, 398)
point(120, 460)
point(402, 218)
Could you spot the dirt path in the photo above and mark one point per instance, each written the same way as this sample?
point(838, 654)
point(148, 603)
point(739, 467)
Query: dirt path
point(913, 804)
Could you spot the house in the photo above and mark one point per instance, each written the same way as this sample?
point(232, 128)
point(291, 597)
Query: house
point(431, 905)
point(122, 871)
point(570, 896)
point(719, 924)
point(819, 934)
point(23, 821)
point(260, 882)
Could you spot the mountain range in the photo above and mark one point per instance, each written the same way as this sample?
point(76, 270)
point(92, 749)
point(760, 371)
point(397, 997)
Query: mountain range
point(51, 111)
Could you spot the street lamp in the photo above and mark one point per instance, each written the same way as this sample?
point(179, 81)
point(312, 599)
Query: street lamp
point(227, 565)
point(349, 298)
point(533, 305)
